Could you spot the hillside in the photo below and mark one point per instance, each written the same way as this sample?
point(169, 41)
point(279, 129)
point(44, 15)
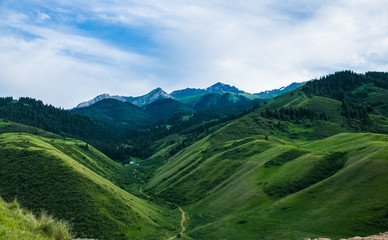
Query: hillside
point(78, 185)
point(253, 185)
point(35, 113)
point(293, 168)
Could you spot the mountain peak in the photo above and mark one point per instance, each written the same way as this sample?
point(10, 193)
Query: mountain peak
point(157, 90)
point(276, 92)
point(94, 100)
point(150, 97)
point(222, 87)
point(99, 98)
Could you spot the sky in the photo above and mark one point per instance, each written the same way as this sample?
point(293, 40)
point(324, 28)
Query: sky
point(65, 52)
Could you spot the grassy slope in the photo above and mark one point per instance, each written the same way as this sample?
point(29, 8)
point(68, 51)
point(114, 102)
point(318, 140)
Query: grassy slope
point(352, 201)
point(230, 194)
point(70, 181)
point(17, 223)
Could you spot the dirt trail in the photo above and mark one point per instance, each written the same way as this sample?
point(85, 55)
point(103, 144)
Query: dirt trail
point(182, 224)
point(183, 221)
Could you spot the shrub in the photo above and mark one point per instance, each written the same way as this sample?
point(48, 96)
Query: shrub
point(327, 167)
point(285, 157)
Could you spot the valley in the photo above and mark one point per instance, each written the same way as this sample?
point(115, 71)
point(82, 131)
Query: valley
point(307, 161)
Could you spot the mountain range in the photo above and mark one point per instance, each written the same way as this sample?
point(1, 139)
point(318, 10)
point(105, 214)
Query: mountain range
point(129, 113)
point(306, 162)
point(182, 95)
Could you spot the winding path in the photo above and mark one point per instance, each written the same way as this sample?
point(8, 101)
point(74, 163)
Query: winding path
point(182, 223)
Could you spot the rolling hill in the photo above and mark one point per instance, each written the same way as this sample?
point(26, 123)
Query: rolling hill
point(253, 188)
point(302, 165)
point(73, 181)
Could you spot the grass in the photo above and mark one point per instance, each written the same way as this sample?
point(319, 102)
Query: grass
point(17, 223)
point(279, 189)
point(77, 183)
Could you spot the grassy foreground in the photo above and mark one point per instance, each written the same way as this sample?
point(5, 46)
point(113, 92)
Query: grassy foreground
point(20, 224)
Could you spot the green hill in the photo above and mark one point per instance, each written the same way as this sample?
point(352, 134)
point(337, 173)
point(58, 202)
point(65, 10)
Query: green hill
point(73, 181)
point(35, 113)
point(302, 165)
point(253, 188)
point(116, 112)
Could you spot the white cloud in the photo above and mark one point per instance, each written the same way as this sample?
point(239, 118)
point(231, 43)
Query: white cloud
point(63, 69)
point(43, 16)
point(255, 45)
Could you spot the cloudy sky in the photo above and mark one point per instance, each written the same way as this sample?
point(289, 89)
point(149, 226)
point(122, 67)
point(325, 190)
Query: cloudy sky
point(65, 52)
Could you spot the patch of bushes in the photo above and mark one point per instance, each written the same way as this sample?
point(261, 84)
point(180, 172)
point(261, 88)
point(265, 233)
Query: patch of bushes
point(285, 157)
point(245, 152)
point(327, 167)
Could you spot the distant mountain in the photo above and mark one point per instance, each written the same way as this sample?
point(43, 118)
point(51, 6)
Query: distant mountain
point(128, 116)
point(116, 112)
point(190, 96)
point(188, 92)
point(99, 98)
point(221, 87)
point(143, 100)
point(164, 109)
point(215, 88)
point(276, 92)
point(223, 103)
point(150, 97)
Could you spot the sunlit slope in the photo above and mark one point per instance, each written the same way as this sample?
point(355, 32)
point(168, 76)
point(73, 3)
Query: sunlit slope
point(69, 180)
point(254, 188)
point(17, 223)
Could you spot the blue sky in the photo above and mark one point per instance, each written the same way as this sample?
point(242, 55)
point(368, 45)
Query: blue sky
point(65, 52)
